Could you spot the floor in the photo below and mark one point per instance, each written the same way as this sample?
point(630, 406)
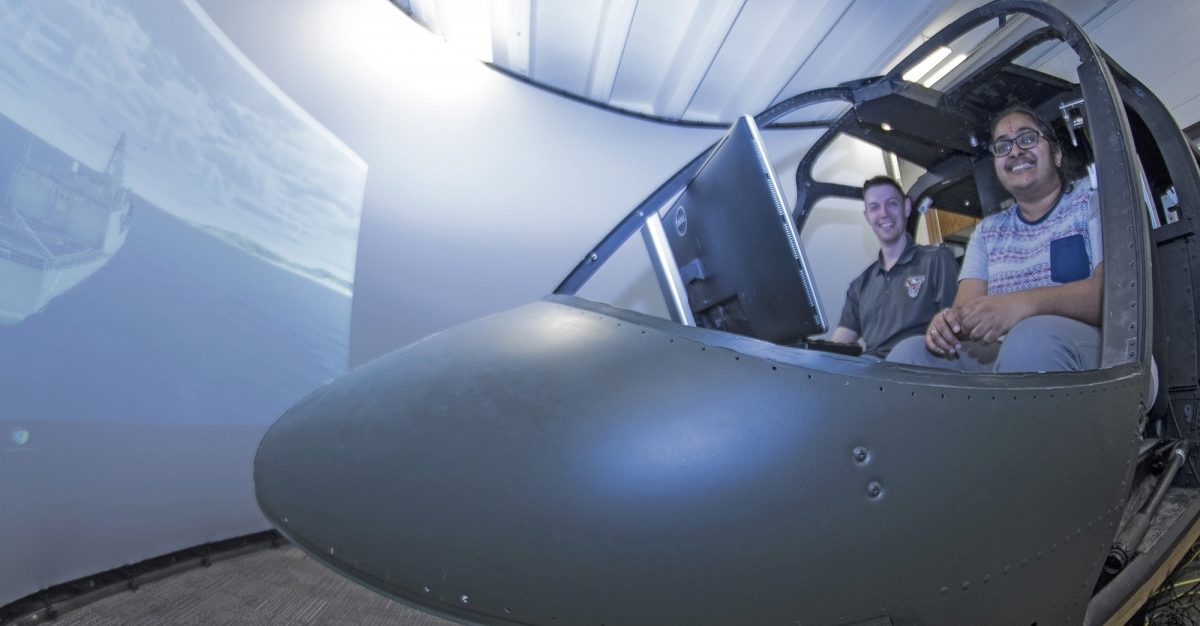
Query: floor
point(284, 586)
point(1177, 601)
point(270, 586)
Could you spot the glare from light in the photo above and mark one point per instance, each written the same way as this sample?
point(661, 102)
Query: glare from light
point(467, 25)
point(927, 64)
point(943, 70)
point(375, 39)
point(887, 128)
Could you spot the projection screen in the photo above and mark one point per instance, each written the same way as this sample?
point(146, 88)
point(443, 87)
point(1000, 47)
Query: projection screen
point(177, 241)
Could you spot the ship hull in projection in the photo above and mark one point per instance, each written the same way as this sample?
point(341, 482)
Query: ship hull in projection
point(56, 230)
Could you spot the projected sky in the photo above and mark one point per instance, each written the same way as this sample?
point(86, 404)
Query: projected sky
point(209, 139)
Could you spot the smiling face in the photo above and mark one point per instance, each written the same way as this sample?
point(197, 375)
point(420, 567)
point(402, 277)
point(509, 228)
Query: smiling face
point(886, 210)
point(1029, 174)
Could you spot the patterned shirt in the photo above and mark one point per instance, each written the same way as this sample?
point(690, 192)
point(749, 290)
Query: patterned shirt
point(1064, 246)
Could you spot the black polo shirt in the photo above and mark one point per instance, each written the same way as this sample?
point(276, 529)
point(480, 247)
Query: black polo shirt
point(885, 307)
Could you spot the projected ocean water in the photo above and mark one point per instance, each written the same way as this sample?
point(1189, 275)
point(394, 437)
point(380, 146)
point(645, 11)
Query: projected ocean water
point(180, 324)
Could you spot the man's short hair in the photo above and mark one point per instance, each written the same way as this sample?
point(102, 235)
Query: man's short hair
point(876, 181)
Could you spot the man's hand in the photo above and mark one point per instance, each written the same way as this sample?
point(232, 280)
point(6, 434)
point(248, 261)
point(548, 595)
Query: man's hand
point(988, 318)
point(942, 336)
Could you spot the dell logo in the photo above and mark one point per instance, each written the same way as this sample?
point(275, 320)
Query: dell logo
point(680, 220)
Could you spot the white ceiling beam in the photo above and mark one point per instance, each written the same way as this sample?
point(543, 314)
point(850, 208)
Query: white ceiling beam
point(649, 64)
point(706, 33)
point(760, 56)
point(615, 20)
point(563, 41)
point(511, 38)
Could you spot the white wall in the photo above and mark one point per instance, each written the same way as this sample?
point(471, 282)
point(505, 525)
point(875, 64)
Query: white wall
point(1156, 41)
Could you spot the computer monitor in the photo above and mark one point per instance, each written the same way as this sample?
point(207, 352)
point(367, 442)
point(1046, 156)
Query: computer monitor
point(738, 253)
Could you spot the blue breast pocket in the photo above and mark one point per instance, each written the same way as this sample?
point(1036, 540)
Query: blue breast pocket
point(1069, 259)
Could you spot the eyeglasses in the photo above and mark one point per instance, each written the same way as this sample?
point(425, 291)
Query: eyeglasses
point(1027, 140)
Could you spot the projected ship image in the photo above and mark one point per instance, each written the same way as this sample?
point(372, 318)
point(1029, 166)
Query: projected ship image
point(574, 462)
point(57, 228)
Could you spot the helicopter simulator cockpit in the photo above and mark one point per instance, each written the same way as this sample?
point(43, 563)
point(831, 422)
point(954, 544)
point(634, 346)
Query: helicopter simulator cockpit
point(577, 462)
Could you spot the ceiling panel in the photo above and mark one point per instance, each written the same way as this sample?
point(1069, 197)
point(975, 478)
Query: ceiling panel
point(564, 36)
point(761, 55)
point(511, 26)
point(712, 60)
point(610, 48)
point(704, 39)
point(670, 46)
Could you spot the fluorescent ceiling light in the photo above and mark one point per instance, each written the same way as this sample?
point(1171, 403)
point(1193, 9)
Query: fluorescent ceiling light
point(919, 70)
point(943, 70)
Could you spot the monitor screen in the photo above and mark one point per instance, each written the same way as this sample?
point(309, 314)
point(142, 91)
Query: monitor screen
point(738, 253)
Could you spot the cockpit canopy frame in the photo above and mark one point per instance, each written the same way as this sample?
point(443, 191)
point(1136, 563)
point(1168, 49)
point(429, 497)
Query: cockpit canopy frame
point(946, 133)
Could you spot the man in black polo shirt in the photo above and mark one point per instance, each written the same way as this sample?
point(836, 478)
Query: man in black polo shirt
point(897, 295)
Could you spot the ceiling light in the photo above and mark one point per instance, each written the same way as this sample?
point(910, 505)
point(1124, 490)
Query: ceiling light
point(927, 64)
point(943, 70)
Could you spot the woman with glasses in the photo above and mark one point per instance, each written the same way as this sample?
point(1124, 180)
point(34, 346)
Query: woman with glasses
point(1029, 292)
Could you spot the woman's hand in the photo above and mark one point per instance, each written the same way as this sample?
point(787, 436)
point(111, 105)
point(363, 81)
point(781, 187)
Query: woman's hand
point(989, 318)
point(942, 336)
